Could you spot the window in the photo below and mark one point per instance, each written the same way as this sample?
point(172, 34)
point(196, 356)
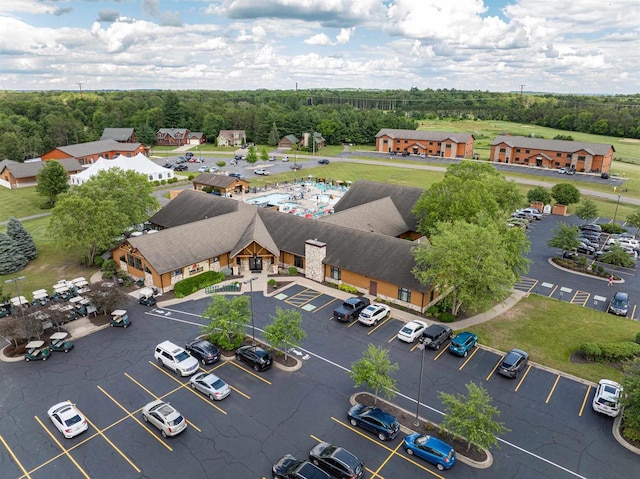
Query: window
point(130, 260)
point(404, 294)
point(517, 150)
point(385, 141)
point(176, 272)
point(335, 273)
point(559, 155)
point(298, 262)
point(122, 259)
point(503, 150)
point(216, 259)
point(137, 263)
point(526, 151)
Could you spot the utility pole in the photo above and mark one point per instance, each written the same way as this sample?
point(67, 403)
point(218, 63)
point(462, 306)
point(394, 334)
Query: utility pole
point(80, 85)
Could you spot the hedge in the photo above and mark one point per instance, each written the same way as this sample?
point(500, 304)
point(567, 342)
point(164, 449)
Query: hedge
point(612, 228)
point(191, 285)
point(610, 352)
point(347, 288)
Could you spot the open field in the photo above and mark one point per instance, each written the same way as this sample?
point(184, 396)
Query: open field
point(551, 330)
point(20, 202)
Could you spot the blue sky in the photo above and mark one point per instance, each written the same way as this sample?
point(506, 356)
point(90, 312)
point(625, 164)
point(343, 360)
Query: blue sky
point(562, 46)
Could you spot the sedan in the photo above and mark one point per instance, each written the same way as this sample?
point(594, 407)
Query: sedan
point(430, 449)
point(338, 462)
point(585, 248)
point(513, 363)
point(165, 417)
point(411, 331)
point(374, 419)
point(262, 171)
point(182, 167)
point(211, 385)
point(374, 313)
point(69, 421)
point(285, 158)
point(462, 343)
point(203, 351)
point(607, 398)
point(255, 356)
point(619, 304)
point(323, 162)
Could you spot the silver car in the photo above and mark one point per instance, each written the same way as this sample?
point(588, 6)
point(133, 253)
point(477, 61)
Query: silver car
point(165, 417)
point(211, 385)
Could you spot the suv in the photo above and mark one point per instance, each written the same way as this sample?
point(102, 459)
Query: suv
point(255, 356)
point(513, 363)
point(537, 214)
point(619, 304)
point(374, 419)
point(435, 335)
point(591, 227)
point(351, 308)
point(262, 171)
point(607, 398)
point(336, 461)
point(174, 357)
point(288, 467)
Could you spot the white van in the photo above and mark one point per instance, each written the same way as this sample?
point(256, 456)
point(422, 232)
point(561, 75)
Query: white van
point(175, 358)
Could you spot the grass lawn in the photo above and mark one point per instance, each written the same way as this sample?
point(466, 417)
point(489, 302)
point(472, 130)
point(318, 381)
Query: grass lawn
point(21, 202)
point(551, 330)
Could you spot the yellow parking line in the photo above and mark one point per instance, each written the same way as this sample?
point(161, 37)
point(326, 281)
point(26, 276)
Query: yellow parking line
point(553, 290)
point(246, 396)
point(441, 352)
point(325, 304)
point(584, 401)
point(552, 389)
point(494, 369)
point(633, 311)
point(249, 372)
point(394, 337)
point(15, 459)
point(142, 387)
point(62, 448)
point(476, 349)
point(393, 453)
point(353, 322)
point(533, 286)
point(379, 325)
point(522, 378)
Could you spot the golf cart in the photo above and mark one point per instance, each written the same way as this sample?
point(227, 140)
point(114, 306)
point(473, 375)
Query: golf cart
point(146, 297)
point(120, 318)
point(35, 350)
point(61, 342)
point(79, 305)
point(40, 297)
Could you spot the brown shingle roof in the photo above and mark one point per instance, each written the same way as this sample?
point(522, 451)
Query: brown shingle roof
point(32, 168)
point(118, 134)
point(564, 146)
point(97, 147)
point(424, 135)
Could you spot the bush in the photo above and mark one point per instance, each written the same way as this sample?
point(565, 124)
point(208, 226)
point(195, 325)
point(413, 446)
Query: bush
point(613, 228)
point(207, 189)
point(347, 288)
point(163, 182)
point(191, 285)
point(156, 183)
point(190, 177)
point(98, 261)
point(610, 352)
point(272, 282)
point(293, 271)
point(109, 268)
point(446, 317)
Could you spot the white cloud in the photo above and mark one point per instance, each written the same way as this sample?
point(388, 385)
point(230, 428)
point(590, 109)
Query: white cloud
point(319, 39)
point(345, 35)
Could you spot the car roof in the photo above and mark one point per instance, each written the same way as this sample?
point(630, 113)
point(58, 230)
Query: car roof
point(379, 414)
point(621, 295)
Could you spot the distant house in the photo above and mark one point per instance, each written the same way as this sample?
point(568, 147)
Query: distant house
point(232, 138)
point(222, 185)
point(288, 141)
point(19, 175)
point(579, 155)
point(431, 143)
point(88, 153)
point(318, 141)
point(123, 135)
point(196, 137)
point(172, 136)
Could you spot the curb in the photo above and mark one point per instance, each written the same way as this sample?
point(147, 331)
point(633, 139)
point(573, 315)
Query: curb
point(618, 437)
point(592, 276)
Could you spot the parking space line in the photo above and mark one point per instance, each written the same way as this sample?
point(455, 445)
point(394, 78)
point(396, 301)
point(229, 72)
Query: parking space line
point(553, 290)
point(584, 401)
point(220, 364)
point(475, 350)
point(494, 369)
point(633, 311)
point(552, 389)
point(441, 352)
point(353, 322)
point(522, 378)
point(394, 337)
point(250, 372)
point(380, 324)
point(384, 463)
point(581, 298)
point(15, 459)
point(64, 450)
point(325, 304)
point(365, 467)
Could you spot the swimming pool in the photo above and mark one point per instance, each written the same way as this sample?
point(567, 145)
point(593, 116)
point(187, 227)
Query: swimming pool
point(272, 199)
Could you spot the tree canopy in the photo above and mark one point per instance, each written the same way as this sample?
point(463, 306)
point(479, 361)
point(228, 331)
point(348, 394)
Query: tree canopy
point(285, 331)
point(587, 209)
point(539, 193)
point(11, 258)
point(565, 237)
point(52, 180)
point(228, 320)
point(375, 370)
point(565, 193)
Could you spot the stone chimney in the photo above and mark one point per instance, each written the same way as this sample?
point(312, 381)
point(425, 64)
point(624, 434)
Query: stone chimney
point(314, 253)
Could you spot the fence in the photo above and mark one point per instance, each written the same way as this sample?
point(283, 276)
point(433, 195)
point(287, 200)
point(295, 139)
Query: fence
point(226, 288)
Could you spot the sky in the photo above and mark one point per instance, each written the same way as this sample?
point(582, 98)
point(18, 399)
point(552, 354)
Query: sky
point(558, 46)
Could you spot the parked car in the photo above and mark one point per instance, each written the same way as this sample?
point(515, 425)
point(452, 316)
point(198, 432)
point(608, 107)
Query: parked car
point(373, 313)
point(570, 171)
point(256, 357)
point(285, 158)
point(592, 236)
point(210, 385)
point(607, 398)
point(585, 248)
point(412, 331)
point(462, 343)
point(36, 350)
point(336, 461)
point(562, 171)
point(203, 169)
point(323, 162)
point(435, 335)
point(203, 351)
point(537, 214)
point(431, 449)
point(262, 171)
point(619, 304)
point(188, 155)
point(590, 227)
point(272, 158)
point(67, 419)
point(181, 159)
point(170, 166)
point(570, 254)
point(605, 175)
point(288, 467)
point(513, 363)
point(374, 419)
point(181, 168)
point(237, 175)
point(351, 308)
point(175, 358)
point(523, 214)
point(164, 417)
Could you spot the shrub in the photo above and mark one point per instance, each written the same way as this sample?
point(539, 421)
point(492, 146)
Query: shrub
point(446, 317)
point(191, 285)
point(347, 288)
point(272, 282)
point(226, 271)
point(109, 268)
point(590, 350)
point(613, 228)
point(156, 183)
point(610, 352)
point(163, 182)
point(293, 271)
point(190, 177)
point(98, 261)
point(207, 189)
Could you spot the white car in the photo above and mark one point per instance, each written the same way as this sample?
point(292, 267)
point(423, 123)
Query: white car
point(373, 313)
point(69, 421)
point(174, 357)
point(607, 398)
point(211, 385)
point(411, 331)
point(627, 243)
point(165, 417)
point(537, 214)
point(262, 171)
point(285, 158)
point(272, 158)
point(203, 169)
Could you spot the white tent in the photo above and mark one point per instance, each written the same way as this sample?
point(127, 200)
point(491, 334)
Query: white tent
point(139, 164)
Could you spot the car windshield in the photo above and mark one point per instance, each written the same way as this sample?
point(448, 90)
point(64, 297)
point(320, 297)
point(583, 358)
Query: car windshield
point(176, 421)
point(72, 420)
point(218, 384)
point(611, 390)
point(421, 440)
point(182, 356)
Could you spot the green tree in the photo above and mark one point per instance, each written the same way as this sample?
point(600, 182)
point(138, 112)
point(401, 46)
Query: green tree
point(252, 156)
point(565, 193)
point(273, 137)
point(564, 236)
point(587, 210)
point(12, 327)
point(285, 331)
point(630, 400)
point(375, 371)
point(539, 193)
point(634, 220)
point(264, 154)
point(472, 416)
point(22, 238)
point(106, 298)
point(52, 180)
point(221, 164)
point(11, 258)
point(617, 256)
point(172, 110)
point(475, 265)
point(228, 320)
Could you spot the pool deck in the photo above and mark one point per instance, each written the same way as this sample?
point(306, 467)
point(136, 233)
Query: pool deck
point(309, 200)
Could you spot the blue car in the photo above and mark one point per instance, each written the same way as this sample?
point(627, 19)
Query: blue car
point(462, 343)
point(374, 419)
point(430, 449)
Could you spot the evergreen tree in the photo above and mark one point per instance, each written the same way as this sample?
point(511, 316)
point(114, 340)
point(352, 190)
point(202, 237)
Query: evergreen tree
point(22, 238)
point(172, 110)
point(11, 259)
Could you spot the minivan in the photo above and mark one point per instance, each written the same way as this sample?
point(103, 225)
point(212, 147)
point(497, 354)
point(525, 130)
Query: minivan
point(175, 358)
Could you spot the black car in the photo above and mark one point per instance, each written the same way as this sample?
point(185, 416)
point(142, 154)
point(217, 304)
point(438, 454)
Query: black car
point(255, 356)
point(513, 363)
point(338, 462)
point(188, 155)
point(374, 419)
point(605, 175)
point(288, 467)
point(171, 166)
point(181, 168)
point(323, 162)
point(203, 351)
point(296, 166)
point(181, 159)
point(590, 227)
point(435, 335)
point(592, 236)
point(619, 304)
point(237, 175)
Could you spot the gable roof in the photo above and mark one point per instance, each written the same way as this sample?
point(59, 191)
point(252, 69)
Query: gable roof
point(229, 134)
point(291, 138)
point(218, 181)
point(96, 147)
point(172, 131)
point(378, 216)
point(32, 168)
point(564, 146)
point(118, 134)
point(195, 134)
point(425, 135)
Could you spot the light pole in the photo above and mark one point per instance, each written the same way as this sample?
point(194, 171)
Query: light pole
point(15, 282)
point(421, 346)
point(615, 213)
point(253, 324)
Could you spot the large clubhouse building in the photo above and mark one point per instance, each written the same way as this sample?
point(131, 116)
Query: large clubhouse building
point(367, 243)
point(430, 143)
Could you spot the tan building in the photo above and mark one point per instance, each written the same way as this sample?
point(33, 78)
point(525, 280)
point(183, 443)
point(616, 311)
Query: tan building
point(429, 143)
point(579, 155)
point(88, 153)
point(287, 142)
point(232, 138)
point(222, 185)
point(14, 174)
